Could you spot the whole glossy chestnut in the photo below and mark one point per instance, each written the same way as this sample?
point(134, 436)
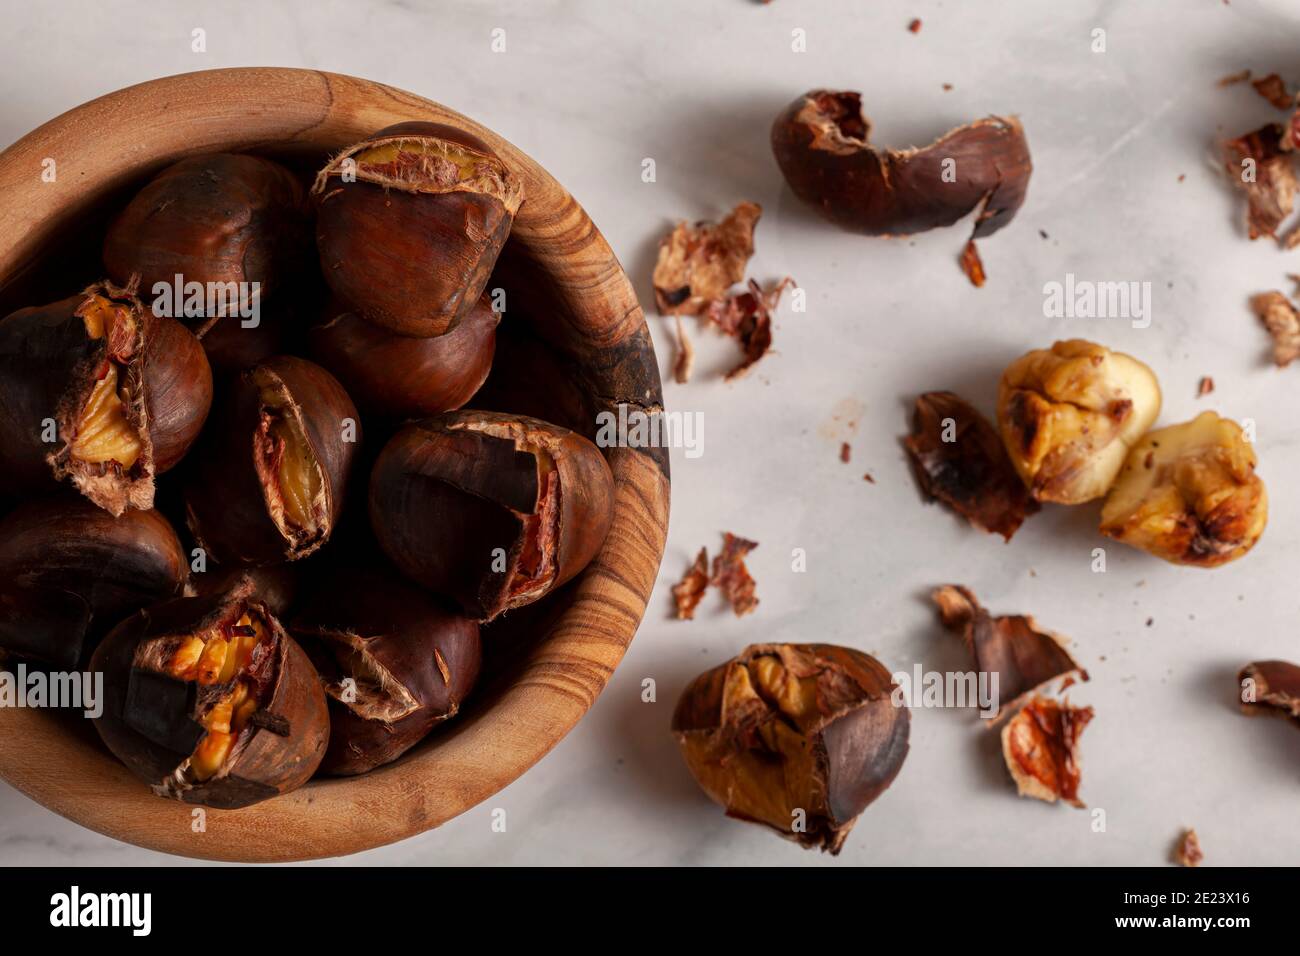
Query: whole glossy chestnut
point(268, 479)
point(208, 701)
point(394, 662)
point(798, 737)
point(410, 222)
point(491, 510)
point(96, 391)
point(69, 572)
point(399, 376)
point(215, 219)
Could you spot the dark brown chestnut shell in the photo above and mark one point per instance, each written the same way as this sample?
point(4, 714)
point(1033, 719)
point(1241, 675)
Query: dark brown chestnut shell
point(150, 718)
point(70, 572)
point(411, 660)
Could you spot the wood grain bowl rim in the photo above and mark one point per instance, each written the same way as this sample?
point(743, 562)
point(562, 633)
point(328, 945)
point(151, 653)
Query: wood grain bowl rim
point(120, 138)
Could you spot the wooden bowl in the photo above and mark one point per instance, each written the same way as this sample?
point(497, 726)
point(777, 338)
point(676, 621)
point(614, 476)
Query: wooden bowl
point(563, 283)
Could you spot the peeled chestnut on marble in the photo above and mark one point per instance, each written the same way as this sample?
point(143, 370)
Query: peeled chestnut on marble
point(97, 391)
point(269, 478)
point(491, 510)
point(209, 701)
point(70, 571)
point(410, 222)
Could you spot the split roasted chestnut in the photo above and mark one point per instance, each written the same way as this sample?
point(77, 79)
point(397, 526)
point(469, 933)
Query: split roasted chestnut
point(822, 144)
point(97, 391)
point(223, 220)
point(491, 510)
point(1189, 494)
point(209, 701)
point(70, 572)
point(1069, 415)
point(410, 223)
point(399, 376)
point(270, 475)
point(799, 737)
point(393, 660)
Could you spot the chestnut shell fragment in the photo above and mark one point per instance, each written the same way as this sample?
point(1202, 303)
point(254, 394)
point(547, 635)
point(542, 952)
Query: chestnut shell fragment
point(150, 720)
point(70, 572)
point(798, 737)
point(413, 662)
point(1041, 748)
point(1276, 689)
point(491, 510)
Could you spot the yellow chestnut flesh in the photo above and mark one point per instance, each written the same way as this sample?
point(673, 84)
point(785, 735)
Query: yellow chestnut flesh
point(103, 433)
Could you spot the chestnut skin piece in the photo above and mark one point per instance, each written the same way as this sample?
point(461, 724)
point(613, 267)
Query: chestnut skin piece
point(121, 394)
point(215, 218)
point(412, 240)
point(270, 476)
point(154, 721)
point(1275, 689)
point(784, 728)
point(413, 661)
point(399, 376)
point(69, 572)
point(494, 511)
point(821, 143)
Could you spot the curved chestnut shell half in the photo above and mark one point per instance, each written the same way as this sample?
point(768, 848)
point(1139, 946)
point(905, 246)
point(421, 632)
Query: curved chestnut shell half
point(393, 660)
point(99, 392)
point(209, 701)
point(821, 142)
point(217, 218)
point(269, 477)
point(799, 737)
point(399, 376)
point(491, 510)
point(410, 222)
point(69, 572)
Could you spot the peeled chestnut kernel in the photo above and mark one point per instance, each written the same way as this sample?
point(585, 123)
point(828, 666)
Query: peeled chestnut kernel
point(216, 218)
point(1069, 414)
point(822, 144)
point(1189, 494)
point(98, 392)
point(69, 572)
point(410, 222)
point(393, 660)
point(270, 475)
point(799, 737)
point(209, 701)
point(491, 510)
point(399, 376)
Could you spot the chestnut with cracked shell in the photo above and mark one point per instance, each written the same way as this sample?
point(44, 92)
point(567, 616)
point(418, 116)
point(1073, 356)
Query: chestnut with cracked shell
point(1069, 415)
point(798, 737)
point(1189, 494)
point(208, 701)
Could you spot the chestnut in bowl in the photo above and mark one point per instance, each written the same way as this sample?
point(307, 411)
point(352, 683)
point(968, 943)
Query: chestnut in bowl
point(208, 701)
point(492, 510)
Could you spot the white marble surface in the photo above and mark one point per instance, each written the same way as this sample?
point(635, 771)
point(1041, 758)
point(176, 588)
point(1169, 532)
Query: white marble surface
point(590, 89)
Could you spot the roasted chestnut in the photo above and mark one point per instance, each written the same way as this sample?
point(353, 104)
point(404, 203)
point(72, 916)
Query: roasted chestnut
point(1069, 414)
point(399, 376)
point(209, 701)
point(1189, 494)
point(410, 222)
point(97, 391)
point(269, 477)
point(799, 737)
point(491, 510)
point(393, 660)
point(222, 220)
point(69, 572)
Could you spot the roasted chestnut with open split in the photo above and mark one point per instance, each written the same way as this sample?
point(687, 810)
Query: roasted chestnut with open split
point(492, 510)
point(270, 474)
point(70, 572)
point(97, 391)
point(209, 701)
point(410, 223)
point(393, 660)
